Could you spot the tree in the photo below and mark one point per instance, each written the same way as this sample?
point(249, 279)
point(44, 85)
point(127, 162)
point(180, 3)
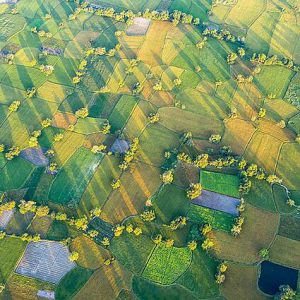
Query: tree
point(93, 233)
point(158, 86)
point(105, 242)
point(231, 58)
point(202, 43)
point(184, 158)
point(157, 239)
point(129, 228)
point(281, 124)
point(198, 69)
point(241, 206)
point(60, 216)
point(58, 137)
point(273, 179)
point(74, 256)
point(220, 278)
point(47, 70)
point(223, 267)
point(177, 82)
point(118, 230)
point(194, 190)
point(169, 243)
point(215, 139)
point(206, 229)
point(167, 177)
point(53, 168)
point(237, 227)
point(264, 253)
point(137, 231)
point(116, 183)
point(14, 106)
point(241, 52)
point(290, 202)
point(96, 212)
point(192, 245)
point(201, 161)
point(2, 235)
point(27, 206)
point(262, 112)
point(105, 128)
point(30, 92)
point(96, 149)
point(178, 223)
point(148, 215)
point(252, 170)
point(42, 211)
point(80, 223)
point(285, 293)
point(153, 118)
point(207, 244)
point(13, 152)
point(76, 79)
point(82, 113)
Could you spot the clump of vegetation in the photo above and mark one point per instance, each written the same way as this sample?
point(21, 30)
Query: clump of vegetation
point(153, 118)
point(82, 113)
point(215, 139)
point(13, 152)
point(116, 183)
point(194, 190)
point(47, 69)
point(14, 106)
point(167, 177)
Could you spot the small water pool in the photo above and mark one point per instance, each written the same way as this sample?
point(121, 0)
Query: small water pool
point(272, 276)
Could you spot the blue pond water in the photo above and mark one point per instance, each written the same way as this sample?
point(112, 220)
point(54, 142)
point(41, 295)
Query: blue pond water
point(272, 276)
point(218, 201)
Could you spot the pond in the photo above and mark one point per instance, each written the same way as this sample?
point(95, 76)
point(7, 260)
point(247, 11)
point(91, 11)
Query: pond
point(272, 276)
point(218, 201)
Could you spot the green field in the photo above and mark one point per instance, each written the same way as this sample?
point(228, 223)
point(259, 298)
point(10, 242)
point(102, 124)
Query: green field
point(217, 219)
point(220, 183)
point(71, 181)
point(132, 252)
point(11, 250)
point(166, 265)
point(72, 283)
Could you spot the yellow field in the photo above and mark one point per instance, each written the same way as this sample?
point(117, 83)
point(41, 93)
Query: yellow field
point(244, 13)
point(53, 92)
point(285, 251)
point(264, 150)
point(151, 49)
point(241, 283)
point(91, 255)
point(237, 134)
point(137, 186)
point(201, 126)
point(108, 282)
point(245, 248)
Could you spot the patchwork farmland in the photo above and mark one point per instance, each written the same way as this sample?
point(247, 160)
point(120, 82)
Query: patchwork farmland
point(149, 149)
